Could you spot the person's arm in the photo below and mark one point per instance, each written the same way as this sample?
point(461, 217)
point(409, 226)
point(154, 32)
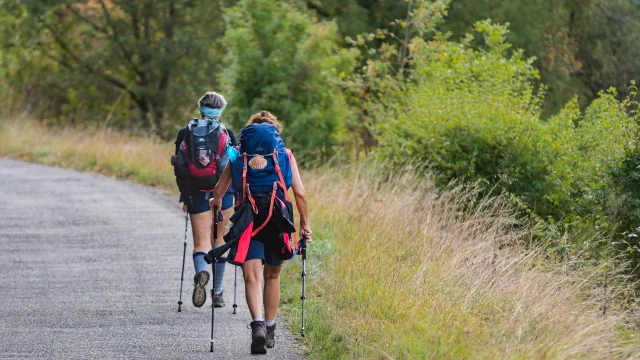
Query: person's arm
point(301, 201)
point(221, 187)
point(232, 138)
point(179, 180)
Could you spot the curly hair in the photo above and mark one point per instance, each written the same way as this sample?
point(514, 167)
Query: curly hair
point(265, 117)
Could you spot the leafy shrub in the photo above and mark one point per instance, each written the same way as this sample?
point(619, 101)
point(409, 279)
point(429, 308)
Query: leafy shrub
point(470, 114)
point(475, 114)
point(627, 182)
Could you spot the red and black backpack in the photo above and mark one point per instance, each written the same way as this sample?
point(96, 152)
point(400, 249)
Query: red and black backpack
point(203, 153)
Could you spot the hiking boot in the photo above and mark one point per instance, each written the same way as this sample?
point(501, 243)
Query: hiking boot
point(199, 292)
point(218, 300)
point(271, 336)
point(258, 337)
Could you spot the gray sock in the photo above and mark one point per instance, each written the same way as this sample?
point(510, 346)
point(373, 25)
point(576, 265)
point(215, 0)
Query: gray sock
point(271, 322)
point(217, 282)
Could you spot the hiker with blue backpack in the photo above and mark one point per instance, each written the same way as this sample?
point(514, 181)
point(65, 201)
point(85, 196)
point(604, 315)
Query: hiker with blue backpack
point(263, 231)
point(200, 156)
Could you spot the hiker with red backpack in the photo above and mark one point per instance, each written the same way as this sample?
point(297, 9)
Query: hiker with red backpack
point(263, 228)
point(200, 157)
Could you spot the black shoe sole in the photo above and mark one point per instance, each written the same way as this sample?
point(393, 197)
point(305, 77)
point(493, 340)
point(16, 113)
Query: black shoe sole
point(199, 296)
point(270, 344)
point(257, 346)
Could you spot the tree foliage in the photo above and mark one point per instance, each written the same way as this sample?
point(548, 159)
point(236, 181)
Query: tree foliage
point(282, 60)
point(386, 56)
point(581, 46)
point(97, 52)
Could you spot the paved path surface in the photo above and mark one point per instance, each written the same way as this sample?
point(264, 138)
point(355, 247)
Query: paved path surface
point(90, 268)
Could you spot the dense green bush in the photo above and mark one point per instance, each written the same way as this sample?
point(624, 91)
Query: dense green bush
point(627, 185)
point(475, 115)
point(470, 114)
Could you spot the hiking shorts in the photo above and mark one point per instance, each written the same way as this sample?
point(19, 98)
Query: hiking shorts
point(199, 202)
point(257, 251)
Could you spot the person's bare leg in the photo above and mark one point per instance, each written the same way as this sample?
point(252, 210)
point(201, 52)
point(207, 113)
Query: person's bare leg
point(271, 291)
point(222, 228)
point(221, 264)
point(201, 227)
point(252, 270)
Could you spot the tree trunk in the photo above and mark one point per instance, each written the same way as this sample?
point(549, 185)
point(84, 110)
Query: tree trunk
point(145, 112)
point(152, 113)
point(158, 118)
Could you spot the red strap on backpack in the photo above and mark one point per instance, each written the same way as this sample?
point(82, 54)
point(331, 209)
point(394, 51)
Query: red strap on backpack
point(266, 221)
point(282, 184)
point(252, 201)
point(284, 188)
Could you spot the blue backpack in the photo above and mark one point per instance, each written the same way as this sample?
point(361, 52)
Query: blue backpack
point(262, 165)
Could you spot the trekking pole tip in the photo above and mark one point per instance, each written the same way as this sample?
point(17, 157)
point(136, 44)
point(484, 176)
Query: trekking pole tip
point(179, 306)
point(211, 348)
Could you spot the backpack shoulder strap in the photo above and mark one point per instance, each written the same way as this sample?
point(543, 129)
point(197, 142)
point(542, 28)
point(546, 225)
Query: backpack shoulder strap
point(279, 171)
point(187, 137)
point(284, 189)
point(244, 177)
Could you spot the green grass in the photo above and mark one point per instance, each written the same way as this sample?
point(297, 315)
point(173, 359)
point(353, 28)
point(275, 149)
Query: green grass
point(396, 269)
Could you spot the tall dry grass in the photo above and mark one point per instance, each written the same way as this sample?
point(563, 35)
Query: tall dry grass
point(145, 160)
point(419, 273)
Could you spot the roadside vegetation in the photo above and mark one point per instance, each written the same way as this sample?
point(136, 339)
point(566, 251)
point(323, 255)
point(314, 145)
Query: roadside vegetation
point(475, 185)
point(97, 150)
point(398, 268)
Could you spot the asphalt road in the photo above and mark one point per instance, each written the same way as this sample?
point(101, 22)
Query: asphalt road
point(90, 268)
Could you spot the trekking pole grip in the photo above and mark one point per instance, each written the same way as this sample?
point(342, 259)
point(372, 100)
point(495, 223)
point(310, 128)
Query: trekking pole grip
point(303, 247)
point(217, 215)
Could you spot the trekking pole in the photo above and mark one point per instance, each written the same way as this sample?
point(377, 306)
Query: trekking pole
point(303, 252)
point(184, 254)
point(213, 267)
point(235, 290)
